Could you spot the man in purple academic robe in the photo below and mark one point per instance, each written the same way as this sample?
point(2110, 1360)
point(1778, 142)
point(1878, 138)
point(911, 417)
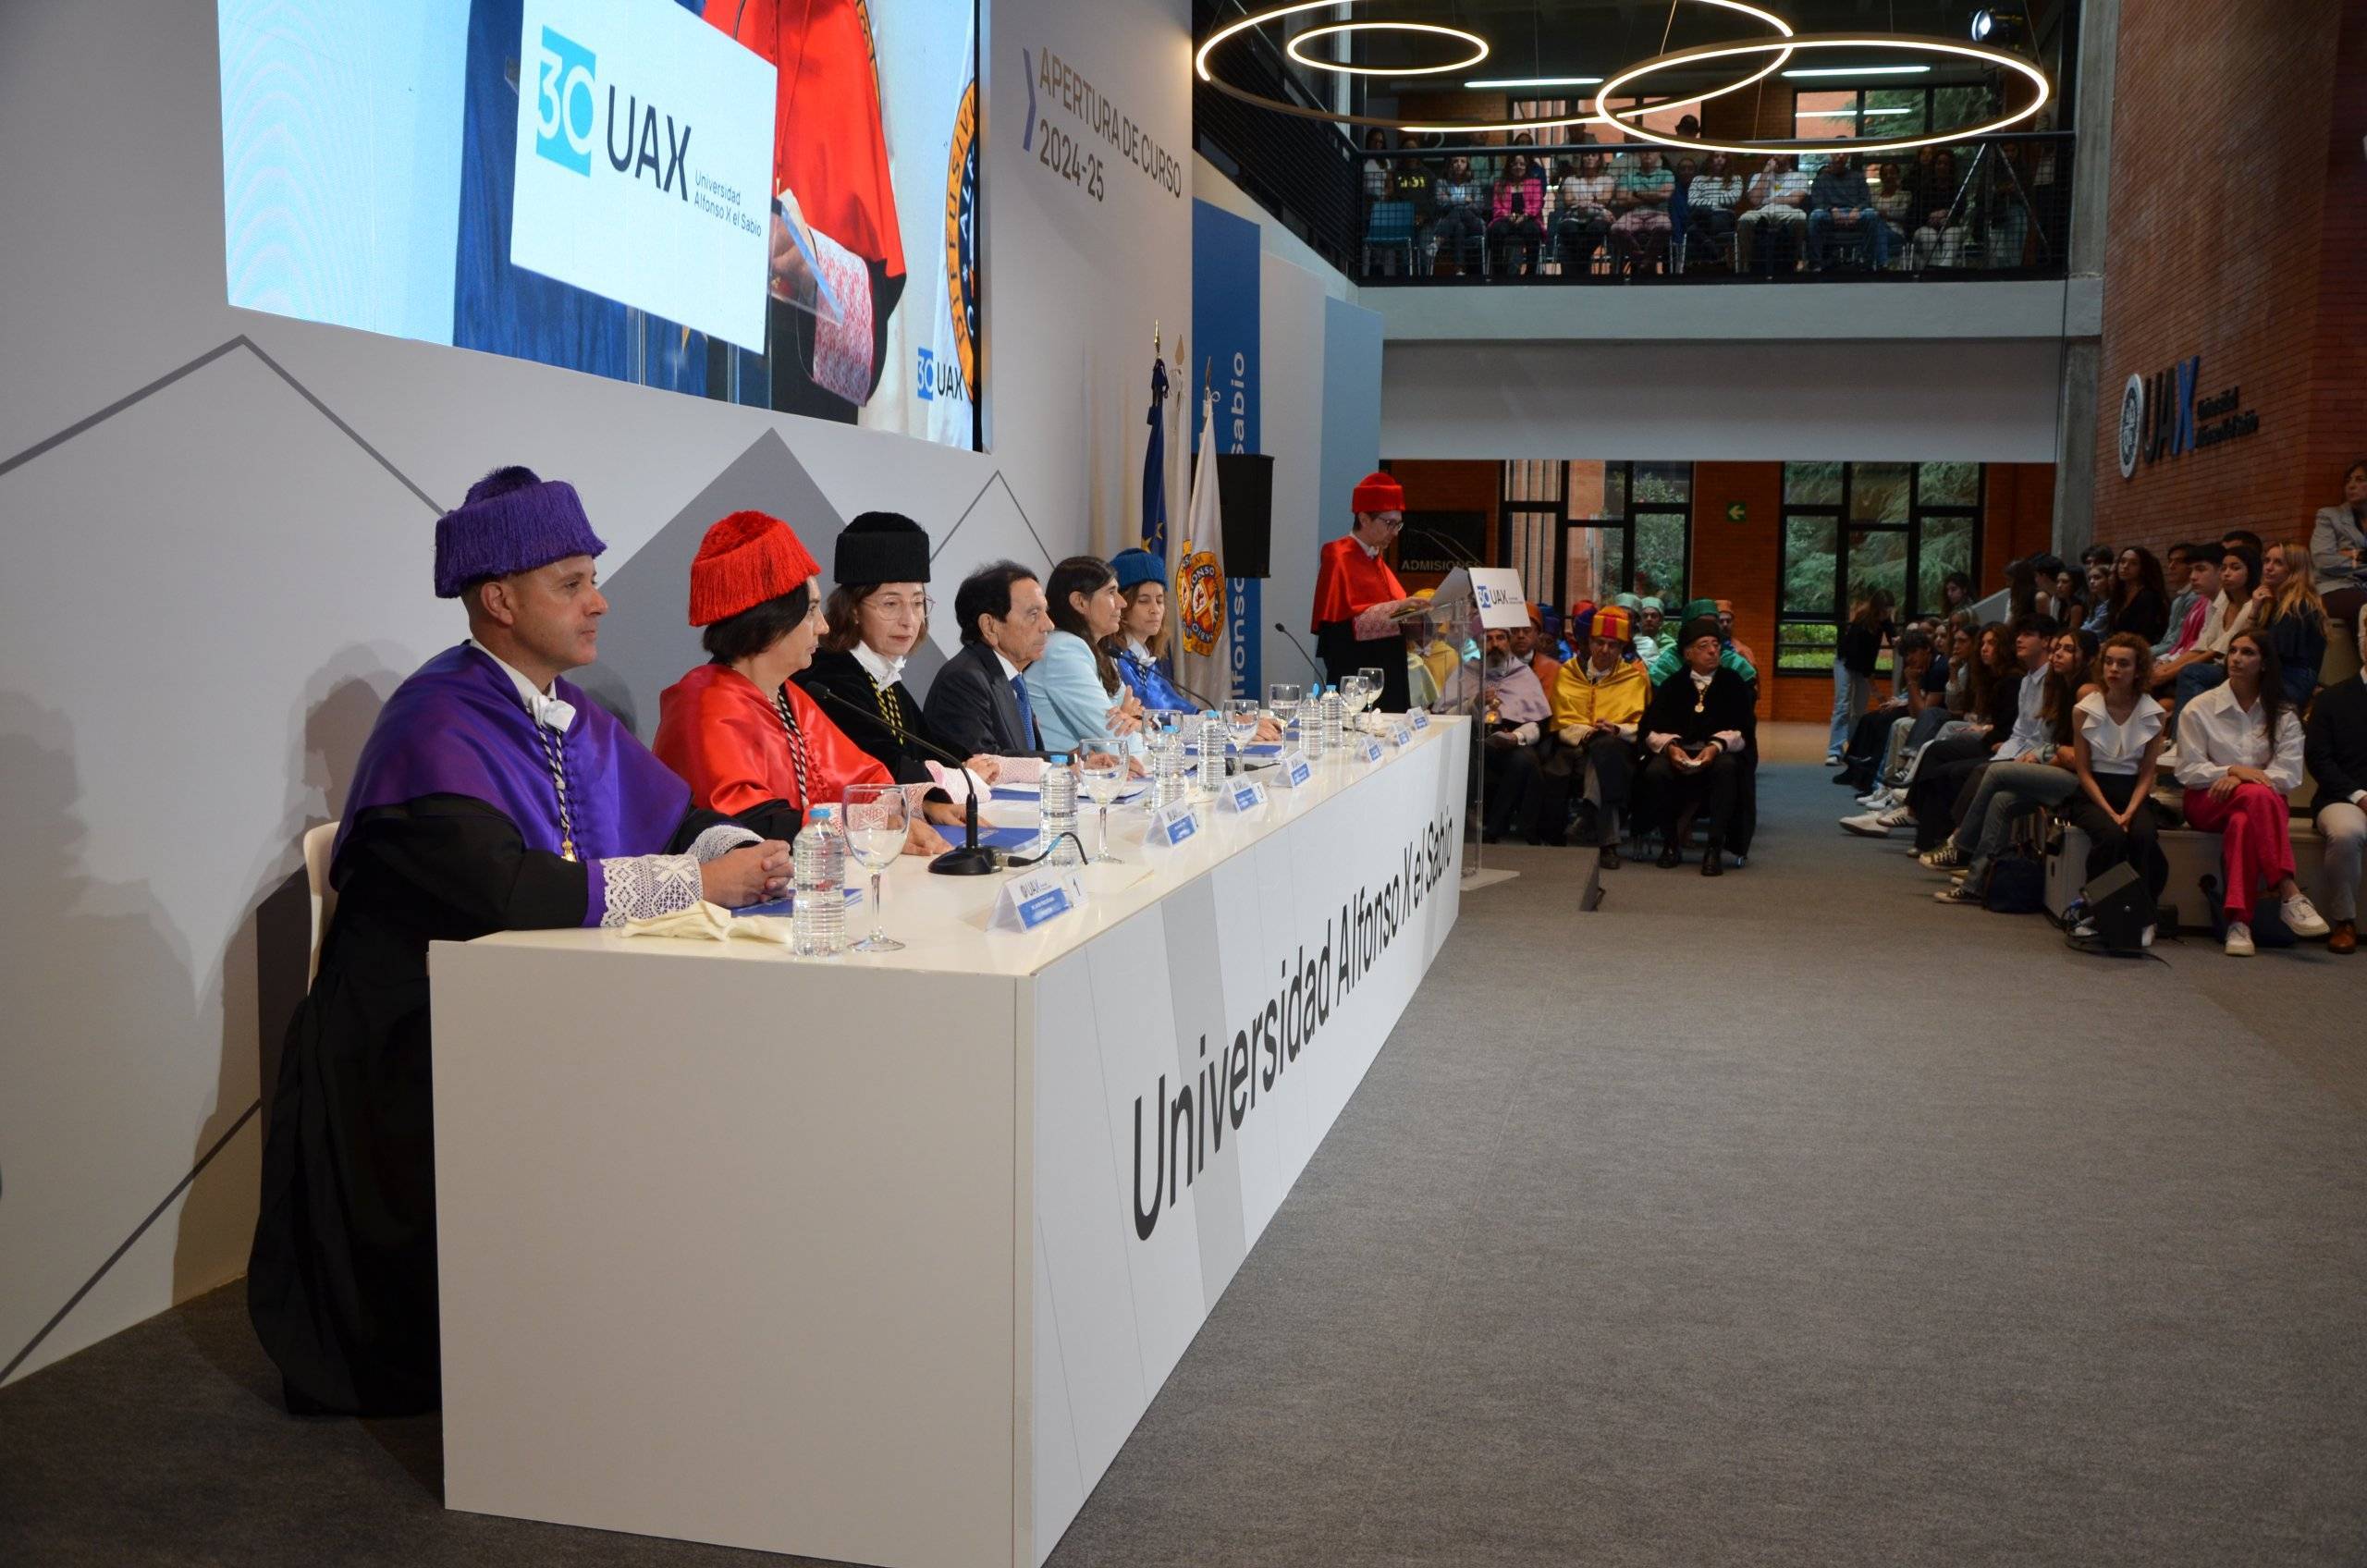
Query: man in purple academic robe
point(491, 796)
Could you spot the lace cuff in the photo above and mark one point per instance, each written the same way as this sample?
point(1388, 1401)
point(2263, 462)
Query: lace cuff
point(640, 887)
point(842, 349)
point(721, 839)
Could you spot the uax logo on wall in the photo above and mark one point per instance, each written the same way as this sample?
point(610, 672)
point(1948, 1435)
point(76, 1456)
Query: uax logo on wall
point(2161, 416)
point(567, 104)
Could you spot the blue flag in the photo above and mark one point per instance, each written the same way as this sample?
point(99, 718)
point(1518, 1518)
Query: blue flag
point(1155, 464)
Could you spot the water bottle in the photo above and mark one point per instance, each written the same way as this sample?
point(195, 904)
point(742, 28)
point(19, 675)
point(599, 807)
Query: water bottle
point(1212, 729)
point(1334, 714)
point(1059, 811)
point(1168, 787)
point(818, 864)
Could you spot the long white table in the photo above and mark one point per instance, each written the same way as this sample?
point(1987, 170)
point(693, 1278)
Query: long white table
point(881, 1257)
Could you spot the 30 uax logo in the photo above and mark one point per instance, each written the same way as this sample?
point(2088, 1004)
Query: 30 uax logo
point(567, 112)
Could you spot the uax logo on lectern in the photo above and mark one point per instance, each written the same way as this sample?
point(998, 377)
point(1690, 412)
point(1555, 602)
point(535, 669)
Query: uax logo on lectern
point(567, 107)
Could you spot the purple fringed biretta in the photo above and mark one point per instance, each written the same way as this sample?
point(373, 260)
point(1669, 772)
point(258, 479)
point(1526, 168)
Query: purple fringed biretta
point(511, 521)
point(452, 831)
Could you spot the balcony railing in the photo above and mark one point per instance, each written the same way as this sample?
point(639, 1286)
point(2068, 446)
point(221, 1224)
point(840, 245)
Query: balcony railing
point(1994, 207)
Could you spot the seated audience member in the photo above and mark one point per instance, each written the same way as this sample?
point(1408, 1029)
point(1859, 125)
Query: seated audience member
point(874, 619)
point(1696, 728)
point(1984, 680)
point(1461, 231)
point(743, 735)
point(492, 795)
point(2177, 574)
point(1924, 686)
point(1842, 208)
point(1939, 242)
point(1140, 641)
point(2338, 549)
point(2189, 640)
point(1767, 237)
point(1709, 203)
point(979, 701)
point(2240, 539)
point(2100, 578)
point(2069, 598)
point(2240, 755)
point(1669, 659)
point(2018, 732)
point(2116, 750)
point(2231, 612)
point(1075, 686)
point(1598, 701)
point(1639, 231)
point(2042, 772)
point(1650, 617)
point(1582, 214)
point(1529, 646)
point(1895, 203)
point(1956, 594)
point(2289, 609)
point(2334, 746)
point(1516, 215)
point(1421, 686)
point(1517, 710)
point(1735, 645)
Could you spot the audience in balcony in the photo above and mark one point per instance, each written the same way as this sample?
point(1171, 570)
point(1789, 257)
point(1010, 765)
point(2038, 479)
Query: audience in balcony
point(2239, 755)
point(1461, 228)
point(2338, 549)
point(1709, 205)
point(1516, 217)
point(1841, 212)
point(1639, 200)
point(1582, 216)
point(1896, 205)
point(1767, 237)
point(1379, 177)
point(1938, 241)
point(2334, 746)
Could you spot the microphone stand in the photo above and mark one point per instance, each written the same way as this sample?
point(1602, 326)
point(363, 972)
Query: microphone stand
point(1295, 642)
point(973, 859)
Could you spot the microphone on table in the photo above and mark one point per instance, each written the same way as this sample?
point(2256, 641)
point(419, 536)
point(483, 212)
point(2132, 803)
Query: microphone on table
point(973, 859)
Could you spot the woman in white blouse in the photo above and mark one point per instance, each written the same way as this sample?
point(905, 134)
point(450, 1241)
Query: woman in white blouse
point(2240, 755)
point(2116, 751)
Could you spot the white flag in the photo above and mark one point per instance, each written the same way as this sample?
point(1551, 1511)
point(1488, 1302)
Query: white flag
point(1196, 602)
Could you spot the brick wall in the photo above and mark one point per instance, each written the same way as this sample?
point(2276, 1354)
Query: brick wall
point(1446, 486)
point(2238, 232)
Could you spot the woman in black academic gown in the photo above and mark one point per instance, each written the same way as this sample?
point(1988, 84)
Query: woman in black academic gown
point(1699, 729)
point(877, 615)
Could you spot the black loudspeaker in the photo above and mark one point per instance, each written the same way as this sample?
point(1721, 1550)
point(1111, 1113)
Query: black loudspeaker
point(2119, 908)
point(1245, 490)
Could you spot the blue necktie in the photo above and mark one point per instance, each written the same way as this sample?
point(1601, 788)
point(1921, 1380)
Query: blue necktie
point(1026, 714)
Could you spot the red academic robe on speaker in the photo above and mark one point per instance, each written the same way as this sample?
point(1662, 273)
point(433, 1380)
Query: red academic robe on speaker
point(1349, 580)
point(729, 742)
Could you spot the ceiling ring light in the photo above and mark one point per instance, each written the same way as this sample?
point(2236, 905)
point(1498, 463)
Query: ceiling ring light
point(1625, 82)
point(1208, 47)
point(1332, 30)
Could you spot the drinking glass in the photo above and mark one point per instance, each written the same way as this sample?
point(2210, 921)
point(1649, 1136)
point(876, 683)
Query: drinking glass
point(1101, 771)
point(1373, 681)
point(1355, 692)
point(1241, 718)
point(879, 821)
point(1282, 698)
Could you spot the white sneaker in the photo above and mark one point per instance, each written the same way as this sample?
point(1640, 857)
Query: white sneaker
point(2085, 931)
point(1898, 817)
point(1832, 759)
point(2240, 939)
point(2145, 937)
point(2303, 918)
point(1871, 826)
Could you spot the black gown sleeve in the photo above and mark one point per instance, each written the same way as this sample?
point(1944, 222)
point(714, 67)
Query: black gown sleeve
point(463, 867)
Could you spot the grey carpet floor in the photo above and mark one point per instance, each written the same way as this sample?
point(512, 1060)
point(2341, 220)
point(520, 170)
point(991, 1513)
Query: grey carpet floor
point(1785, 1219)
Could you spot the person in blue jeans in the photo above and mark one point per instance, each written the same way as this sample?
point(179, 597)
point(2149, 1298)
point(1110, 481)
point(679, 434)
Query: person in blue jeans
point(1841, 207)
point(1855, 653)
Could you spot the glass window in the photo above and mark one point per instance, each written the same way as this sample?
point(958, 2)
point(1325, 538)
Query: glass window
point(1811, 570)
point(1659, 556)
point(1820, 116)
point(1947, 484)
point(1894, 111)
point(1878, 493)
point(1664, 481)
point(1603, 549)
point(1813, 485)
point(1952, 107)
point(1946, 546)
point(1878, 559)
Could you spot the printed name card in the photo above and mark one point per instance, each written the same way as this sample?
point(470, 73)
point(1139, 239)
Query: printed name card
point(1293, 773)
point(1370, 752)
point(1400, 737)
point(1245, 794)
point(1032, 898)
point(1419, 718)
point(1172, 827)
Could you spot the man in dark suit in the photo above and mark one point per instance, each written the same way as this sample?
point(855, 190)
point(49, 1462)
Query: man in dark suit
point(2336, 748)
point(978, 703)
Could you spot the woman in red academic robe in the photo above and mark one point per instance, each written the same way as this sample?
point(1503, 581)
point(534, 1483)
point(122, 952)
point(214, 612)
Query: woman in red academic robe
point(1355, 592)
point(737, 729)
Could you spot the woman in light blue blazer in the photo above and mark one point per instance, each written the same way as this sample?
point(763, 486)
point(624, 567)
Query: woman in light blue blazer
point(1074, 687)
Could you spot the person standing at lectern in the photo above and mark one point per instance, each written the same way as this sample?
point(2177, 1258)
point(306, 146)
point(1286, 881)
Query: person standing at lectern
point(1357, 594)
point(874, 617)
point(492, 795)
point(980, 701)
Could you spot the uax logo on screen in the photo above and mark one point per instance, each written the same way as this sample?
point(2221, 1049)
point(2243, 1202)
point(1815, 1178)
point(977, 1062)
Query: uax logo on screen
point(567, 108)
point(564, 81)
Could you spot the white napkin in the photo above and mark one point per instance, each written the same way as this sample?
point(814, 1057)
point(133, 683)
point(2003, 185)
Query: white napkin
point(951, 780)
point(704, 922)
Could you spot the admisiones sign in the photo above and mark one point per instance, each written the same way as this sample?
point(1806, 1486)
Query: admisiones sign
point(2163, 417)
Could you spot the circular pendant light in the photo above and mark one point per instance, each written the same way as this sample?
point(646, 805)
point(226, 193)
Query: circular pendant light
point(1332, 30)
point(1630, 79)
point(1210, 44)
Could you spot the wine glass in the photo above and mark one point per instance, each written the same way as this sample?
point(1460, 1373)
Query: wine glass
point(1241, 718)
point(879, 821)
point(1355, 691)
point(1101, 769)
point(1374, 679)
point(1282, 698)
